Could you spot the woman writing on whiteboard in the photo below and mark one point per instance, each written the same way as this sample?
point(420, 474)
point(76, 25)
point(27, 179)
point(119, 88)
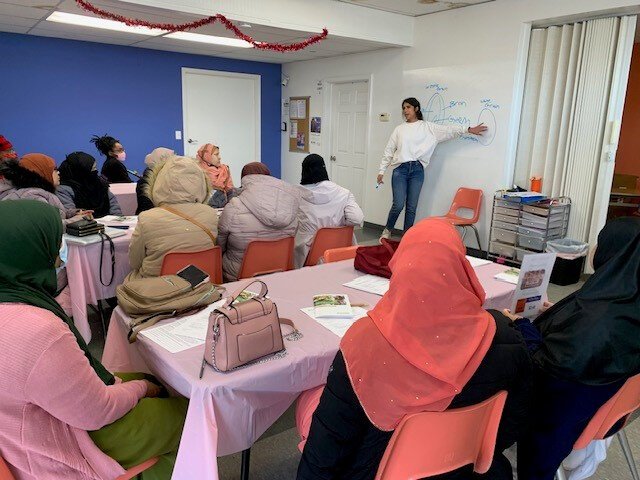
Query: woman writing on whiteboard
point(409, 150)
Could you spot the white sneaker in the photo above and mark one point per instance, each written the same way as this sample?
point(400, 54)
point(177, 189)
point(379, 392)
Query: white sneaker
point(386, 233)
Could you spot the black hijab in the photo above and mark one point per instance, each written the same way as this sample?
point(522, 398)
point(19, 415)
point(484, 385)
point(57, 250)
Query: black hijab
point(90, 191)
point(313, 170)
point(593, 336)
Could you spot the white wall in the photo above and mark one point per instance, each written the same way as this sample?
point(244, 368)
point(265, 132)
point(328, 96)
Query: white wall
point(490, 32)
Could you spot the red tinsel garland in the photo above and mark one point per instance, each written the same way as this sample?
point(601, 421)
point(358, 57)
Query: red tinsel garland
point(134, 22)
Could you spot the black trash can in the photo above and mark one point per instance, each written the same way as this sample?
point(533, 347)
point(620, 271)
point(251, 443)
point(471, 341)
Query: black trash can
point(567, 272)
point(570, 257)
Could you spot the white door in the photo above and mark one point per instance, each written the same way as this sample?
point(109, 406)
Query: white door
point(224, 109)
point(620, 77)
point(349, 121)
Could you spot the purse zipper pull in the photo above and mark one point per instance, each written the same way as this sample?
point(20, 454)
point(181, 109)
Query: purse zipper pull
point(204, 362)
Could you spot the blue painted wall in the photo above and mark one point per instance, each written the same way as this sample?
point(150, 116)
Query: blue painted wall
point(56, 93)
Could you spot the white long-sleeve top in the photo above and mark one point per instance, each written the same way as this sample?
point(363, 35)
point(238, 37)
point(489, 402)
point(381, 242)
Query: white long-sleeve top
point(416, 141)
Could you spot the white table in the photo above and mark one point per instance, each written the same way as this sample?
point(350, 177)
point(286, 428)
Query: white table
point(229, 411)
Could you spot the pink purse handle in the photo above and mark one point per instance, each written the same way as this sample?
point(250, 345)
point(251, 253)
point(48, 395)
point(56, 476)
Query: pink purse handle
point(295, 335)
point(263, 291)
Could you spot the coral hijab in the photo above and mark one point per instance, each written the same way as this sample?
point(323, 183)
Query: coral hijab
point(217, 172)
point(427, 336)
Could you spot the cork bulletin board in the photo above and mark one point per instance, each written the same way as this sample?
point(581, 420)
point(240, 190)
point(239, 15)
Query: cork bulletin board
point(299, 129)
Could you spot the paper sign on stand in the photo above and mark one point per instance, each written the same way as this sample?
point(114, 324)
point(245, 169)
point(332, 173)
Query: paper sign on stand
point(533, 282)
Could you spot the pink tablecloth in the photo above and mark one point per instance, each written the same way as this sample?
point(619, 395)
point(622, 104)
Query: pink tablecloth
point(126, 195)
point(83, 273)
point(228, 412)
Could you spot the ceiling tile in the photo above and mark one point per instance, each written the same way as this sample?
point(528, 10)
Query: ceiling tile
point(13, 28)
point(10, 10)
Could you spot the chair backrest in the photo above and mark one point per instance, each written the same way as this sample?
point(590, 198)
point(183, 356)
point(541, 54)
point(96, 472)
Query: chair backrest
point(339, 254)
point(431, 443)
point(5, 473)
point(328, 238)
point(209, 260)
point(626, 401)
point(134, 471)
point(267, 256)
point(469, 198)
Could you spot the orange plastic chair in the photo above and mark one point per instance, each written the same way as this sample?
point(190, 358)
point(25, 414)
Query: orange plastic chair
point(267, 256)
point(621, 405)
point(326, 239)
point(5, 473)
point(134, 471)
point(339, 254)
point(209, 260)
point(471, 199)
point(431, 443)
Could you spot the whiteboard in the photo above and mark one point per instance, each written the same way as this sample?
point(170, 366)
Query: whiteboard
point(465, 95)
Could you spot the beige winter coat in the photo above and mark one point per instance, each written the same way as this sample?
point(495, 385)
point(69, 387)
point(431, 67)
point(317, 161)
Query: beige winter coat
point(180, 184)
point(266, 209)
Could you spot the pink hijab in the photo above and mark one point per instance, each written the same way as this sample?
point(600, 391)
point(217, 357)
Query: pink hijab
point(217, 172)
point(427, 336)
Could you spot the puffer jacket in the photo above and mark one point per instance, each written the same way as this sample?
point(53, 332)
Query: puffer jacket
point(266, 208)
point(22, 184)
point(324, 204)
point(178, 183)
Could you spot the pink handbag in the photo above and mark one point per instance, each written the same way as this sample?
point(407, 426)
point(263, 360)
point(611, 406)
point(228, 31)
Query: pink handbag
point(241, 333)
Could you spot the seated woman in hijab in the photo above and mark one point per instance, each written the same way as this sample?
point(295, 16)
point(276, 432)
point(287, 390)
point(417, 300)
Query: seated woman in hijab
point(35, 177)
point(82, 188)
point(113, 169)
point(323, 204)
point(584, 348)
point(181, 220)
point(158, 154)
point(266, 209)
point(218, 173)
point(428, 345)
point(63, 414)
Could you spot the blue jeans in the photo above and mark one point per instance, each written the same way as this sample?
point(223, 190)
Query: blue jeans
point(406, 183)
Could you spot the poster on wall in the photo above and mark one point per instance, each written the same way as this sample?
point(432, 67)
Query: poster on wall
point(300, 142)
point(316, 129)
point(316, 125)
point(293, 133)
point(298, 109)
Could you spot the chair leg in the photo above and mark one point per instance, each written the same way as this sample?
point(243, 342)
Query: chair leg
point(628, 455)
point(464, 232)
point(560, 475)
point(244, 466)
point(477, 236)
point(102, 319)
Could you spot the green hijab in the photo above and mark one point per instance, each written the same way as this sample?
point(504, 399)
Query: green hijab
point(30, 237)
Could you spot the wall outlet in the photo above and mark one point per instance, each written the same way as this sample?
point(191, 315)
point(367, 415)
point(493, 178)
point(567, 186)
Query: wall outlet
point(178, 135)
point(384, 117)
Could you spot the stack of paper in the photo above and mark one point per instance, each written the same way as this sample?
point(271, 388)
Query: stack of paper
point(182, 333)
point(337, 325)
point(509, 276)
point(478, 262)
point(370, 284)
point(119, 220)
point(523, 197)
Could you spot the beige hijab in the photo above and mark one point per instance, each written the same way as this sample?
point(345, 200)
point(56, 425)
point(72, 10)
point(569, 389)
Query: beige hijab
point(158, 154)
point(178, 180)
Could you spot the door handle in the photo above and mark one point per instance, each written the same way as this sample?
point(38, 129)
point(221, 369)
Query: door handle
point(192, 141)
point(332, 158)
